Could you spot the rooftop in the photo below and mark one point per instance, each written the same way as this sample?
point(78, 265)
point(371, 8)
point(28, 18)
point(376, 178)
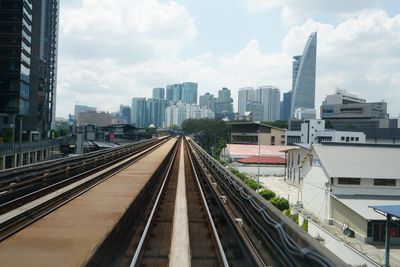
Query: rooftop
point(263, 160)
point(359, 161)
point(243, 151)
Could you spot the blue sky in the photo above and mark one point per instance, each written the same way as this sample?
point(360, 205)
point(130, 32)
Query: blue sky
point(110, 51)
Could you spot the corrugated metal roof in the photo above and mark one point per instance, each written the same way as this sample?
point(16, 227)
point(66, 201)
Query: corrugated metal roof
point(263, 160)
point(393, 210)
point(243, 151)
point(360, 161)
point(360, 204)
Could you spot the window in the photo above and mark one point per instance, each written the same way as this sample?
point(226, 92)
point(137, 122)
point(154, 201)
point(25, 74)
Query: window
point(352, 139)
point(342, 138)
point(385, 182)
point(357, 139)
point(332, 183)
point(355, 181)
point(298, 159)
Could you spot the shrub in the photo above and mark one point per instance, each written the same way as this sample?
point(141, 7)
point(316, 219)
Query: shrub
point(287, 213)
point(305, 225)
point(295, 218)
point(267, 194)
point(251, 183)
point(280, 203)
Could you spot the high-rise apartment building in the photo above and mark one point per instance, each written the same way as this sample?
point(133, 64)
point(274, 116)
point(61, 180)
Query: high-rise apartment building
point(257, 110)
point(189, 93)
point(224, 104)
point(244, 95)
point(303, 77)
point(207, 100)
point(139, 112)
point(269, 97)
point(158, 93)
point(28, 62)
point(83, 108)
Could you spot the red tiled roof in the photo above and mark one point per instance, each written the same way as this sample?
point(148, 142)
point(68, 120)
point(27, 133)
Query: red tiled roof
point(263, 160)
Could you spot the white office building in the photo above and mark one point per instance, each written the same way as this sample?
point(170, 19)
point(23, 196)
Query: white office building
point(314, 132)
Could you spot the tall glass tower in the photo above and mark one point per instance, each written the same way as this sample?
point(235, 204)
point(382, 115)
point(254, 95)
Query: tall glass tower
point(304, 76)
point(189, 93)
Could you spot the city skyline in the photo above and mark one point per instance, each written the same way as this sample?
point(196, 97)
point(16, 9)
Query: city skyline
point(237, 51)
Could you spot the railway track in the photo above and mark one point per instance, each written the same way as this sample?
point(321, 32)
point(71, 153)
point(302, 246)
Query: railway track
point(190, 211)
point(22, 211)
point(23, 185)
point(208, 232)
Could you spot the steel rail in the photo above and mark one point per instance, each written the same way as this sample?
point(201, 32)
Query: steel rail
point(210, 219)
point(11, 225)
point(153, 211)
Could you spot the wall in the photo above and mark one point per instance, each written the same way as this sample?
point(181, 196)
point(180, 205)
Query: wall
point(314, 194)
point(366, 187)
point(344, 214)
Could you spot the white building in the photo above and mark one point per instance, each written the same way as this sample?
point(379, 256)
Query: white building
point(176, 114)
point(245, 94)
point(313, 131)
point(305, 114)
point(340, 181)
point(270, 98)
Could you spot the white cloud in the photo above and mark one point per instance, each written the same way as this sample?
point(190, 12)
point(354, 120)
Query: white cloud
point(360, 54)
point(294, 11)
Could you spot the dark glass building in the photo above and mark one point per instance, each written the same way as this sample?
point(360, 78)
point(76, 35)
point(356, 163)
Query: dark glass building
point(28, 64)
point(15, 59)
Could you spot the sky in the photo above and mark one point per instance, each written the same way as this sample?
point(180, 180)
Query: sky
point(111, 51)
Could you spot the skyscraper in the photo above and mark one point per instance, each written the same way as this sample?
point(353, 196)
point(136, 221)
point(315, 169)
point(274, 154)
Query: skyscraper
point(28, 47)
point(244, 95)
point(287, 104)
point(158, 93)
point(155, 111)
point(139, 112)
point(15, 60)
point(174, 92)
point(223, 104)
point(303, 77)
point(207, 100)
point(189, 92)
point(269, 97)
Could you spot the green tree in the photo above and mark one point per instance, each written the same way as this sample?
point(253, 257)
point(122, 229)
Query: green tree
point(280, 203)
point(251, 183)
point(304, 225)
point(209, 133)
point(267, 194)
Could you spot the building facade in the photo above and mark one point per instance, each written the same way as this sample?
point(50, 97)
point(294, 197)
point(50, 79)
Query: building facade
point(244, 95)
point(176, 114)
point(303, 77)
point(254, 133)
point(314, 132)
point(339, 182)
point(269, 97)
point(224, 104)
point(158, 93)
point(345, 111)
point(207, 100)
point(94, 118)
point(28, 60)
point(286, 105)
point(139, 112)
point(189, 92)
point(156, 110)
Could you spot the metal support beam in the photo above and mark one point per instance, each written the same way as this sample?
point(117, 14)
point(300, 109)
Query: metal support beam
point(387, 240)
